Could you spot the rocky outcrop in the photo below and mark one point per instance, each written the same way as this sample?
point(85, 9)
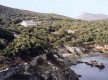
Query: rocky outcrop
point(82, 51)
point(6, 34)
point(74, 50)
point(50, 66)
point(92, 63)
point(100, 48)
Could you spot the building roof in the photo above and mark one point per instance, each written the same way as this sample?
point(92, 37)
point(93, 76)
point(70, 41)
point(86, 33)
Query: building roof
point(29, 22)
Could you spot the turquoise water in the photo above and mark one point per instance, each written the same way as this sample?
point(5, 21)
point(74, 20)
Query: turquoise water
point(92, 73)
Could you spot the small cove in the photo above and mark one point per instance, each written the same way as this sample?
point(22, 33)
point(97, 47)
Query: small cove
point(92, 73)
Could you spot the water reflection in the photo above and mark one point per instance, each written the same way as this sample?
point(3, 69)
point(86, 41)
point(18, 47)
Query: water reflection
point(92, 73)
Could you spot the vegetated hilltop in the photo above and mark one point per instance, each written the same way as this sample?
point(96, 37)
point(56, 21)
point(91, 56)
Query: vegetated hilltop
point(7, 12)
point(90, 16)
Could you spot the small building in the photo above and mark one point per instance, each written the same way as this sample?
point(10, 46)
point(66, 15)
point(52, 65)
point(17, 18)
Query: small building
point(27, 23)
point(71, 31)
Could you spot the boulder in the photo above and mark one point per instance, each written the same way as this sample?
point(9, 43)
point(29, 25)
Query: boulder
point(100, 66)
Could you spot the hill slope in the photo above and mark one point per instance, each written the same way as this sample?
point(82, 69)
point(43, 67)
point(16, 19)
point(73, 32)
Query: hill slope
point(39, 49)
point(90, 16)
point(7, 12)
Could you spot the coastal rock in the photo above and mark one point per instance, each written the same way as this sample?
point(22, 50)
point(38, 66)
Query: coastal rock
point(93, 63)
point(100, 48)
point(74, 50)
point(48, 66)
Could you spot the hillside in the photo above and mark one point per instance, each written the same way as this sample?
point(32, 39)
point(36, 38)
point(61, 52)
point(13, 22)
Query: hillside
point(53, 30)
point(7, 12)
point(57, 30)
point(90, 16)
point(37, 52)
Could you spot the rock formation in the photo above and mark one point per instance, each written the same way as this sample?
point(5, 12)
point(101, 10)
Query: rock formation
point(48, 66)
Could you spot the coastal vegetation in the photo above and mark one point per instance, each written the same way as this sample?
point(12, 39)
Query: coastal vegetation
point(54, 34)
point(31, 49)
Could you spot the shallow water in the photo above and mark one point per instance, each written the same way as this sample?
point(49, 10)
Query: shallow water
point(92, 73)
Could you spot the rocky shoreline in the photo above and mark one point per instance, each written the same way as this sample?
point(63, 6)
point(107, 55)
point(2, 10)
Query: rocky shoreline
point(68, 51)
point(92, 63)
point(50, 66)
